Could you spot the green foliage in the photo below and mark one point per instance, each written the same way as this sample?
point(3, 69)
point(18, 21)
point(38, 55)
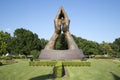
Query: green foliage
point(21, 56)
point(42, 63)
point(3, 48)
point(31, 59)
point(1, 64)
point(94, 48)
point(117, 42)
point(6, 57)
point(4, 39)
point(35, 53)
point(57, 70)
point(88, 47)
point(76, 63)
point(24, 42)
point(65, 63)
point(106, 48)
point(61, 43)
point(116, 47)
point(7, 60)
point(27, 43)
point(12, 57)
point(102, 57)
point(43, 43)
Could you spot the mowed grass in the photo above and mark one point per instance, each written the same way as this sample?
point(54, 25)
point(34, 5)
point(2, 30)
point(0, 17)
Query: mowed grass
point(22, 71)
point(101, 69)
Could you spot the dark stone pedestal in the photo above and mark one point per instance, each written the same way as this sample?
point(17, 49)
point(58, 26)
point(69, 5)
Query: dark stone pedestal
point(61, 54)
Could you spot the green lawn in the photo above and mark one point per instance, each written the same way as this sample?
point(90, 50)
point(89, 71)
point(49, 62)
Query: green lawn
point(99, 70)
point(22, 71)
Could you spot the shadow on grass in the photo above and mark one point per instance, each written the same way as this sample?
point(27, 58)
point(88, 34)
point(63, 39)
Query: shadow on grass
point(43, 77)
point(116, 77)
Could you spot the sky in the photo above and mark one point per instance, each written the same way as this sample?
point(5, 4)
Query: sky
point(95, 20)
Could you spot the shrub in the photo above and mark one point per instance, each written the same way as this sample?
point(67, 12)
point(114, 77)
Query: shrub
point(6, 57)
point(9, 58)
point(65, 63)
point(0, 63)
point(31, 59)
point(57, 70)
point(35, 53)
point(103, 57)
point(42, 63)
point(76, 63)
point(22, 56)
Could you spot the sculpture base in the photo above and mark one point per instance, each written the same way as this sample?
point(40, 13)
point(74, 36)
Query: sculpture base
point(61, 54)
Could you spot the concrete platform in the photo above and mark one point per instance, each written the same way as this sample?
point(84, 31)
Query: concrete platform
point(61, 54)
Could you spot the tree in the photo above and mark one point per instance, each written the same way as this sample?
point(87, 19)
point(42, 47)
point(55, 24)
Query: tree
point(116, 43)
point(4, 39)
point(88, 47)
point(12, 46)
point(35, 53)
point(43, 42)
point(116, 47)
point(61, 43)
point(107, 50)
point(25, 41)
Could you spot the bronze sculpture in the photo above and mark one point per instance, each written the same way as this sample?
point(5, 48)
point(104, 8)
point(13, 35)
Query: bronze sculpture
point(61, 23)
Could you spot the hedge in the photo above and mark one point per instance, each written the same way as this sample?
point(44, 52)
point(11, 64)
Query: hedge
point(65, 63)
point(57, 70)
point(102, 57)
point(77, 63)
point(42, 63)
point(12, 57)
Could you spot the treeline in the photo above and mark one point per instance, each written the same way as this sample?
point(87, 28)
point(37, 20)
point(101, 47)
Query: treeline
point(23, 42)
point(26, 43)
point(94, 48)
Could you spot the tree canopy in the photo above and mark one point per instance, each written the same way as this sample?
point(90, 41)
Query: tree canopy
point(28, 43)
point(4, 40)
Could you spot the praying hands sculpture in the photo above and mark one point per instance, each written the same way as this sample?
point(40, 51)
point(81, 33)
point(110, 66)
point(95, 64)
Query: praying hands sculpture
point(61, 23)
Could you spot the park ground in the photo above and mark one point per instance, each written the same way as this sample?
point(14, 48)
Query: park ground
point(100, 69)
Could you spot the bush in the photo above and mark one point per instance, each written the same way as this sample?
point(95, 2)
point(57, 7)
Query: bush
point(57, 70)
point(22, 56)
point(31, 59)
point(42, 63)
point(65, 63)
point(103, 57)
point(35, 53)
point(6, 57)
point(9, 58)
point(9, 61)
point(76, 63)
point(0, 63)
